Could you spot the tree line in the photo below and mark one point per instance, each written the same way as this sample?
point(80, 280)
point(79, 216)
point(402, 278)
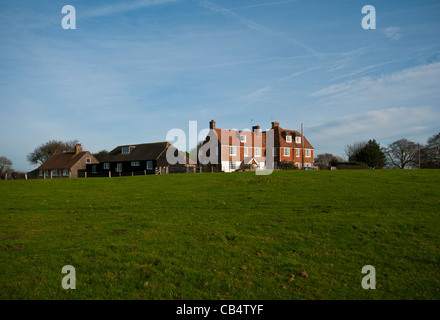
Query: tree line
point(40, 154)
point(401, 154)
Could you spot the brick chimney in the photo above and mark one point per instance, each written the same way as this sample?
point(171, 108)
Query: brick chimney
point(256, 129)
point(275, 125)
point(212, 124)
point(78, 148)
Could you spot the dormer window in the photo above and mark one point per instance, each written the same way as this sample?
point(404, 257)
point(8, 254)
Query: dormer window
point(125, 150)
point(289, 139)
point(298, 139)
point(242, 138)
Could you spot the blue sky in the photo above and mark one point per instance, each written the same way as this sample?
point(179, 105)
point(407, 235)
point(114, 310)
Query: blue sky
point(132, 70)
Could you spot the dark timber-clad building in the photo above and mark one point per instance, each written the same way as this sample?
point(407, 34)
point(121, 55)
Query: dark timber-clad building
point(147, 158)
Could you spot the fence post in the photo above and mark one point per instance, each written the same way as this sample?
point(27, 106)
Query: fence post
point(109, 174)
point(25, 176)
point(132, 174)
point(6, 176)
point(145, 172)
point(51, 174)
point(85, 174)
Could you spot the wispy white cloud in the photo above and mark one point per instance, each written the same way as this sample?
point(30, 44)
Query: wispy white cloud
point(265, 4)
point(251, 24)
point(392, 33)
point(123, 7)
point(416, 86)
point(384, 125)
point(253, 96)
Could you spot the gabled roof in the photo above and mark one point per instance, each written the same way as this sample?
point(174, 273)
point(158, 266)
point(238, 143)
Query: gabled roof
point(64, 160)
point(283, 143)
point(232, 137)
point(138, 152)
point(248, 160)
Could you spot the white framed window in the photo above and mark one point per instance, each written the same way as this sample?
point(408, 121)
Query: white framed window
point(246, 151)
point(298, 139)
point(119, 167)
point(308, 153)
point(232, 151)
point(94, 168)
point(135, 164)
point(41, 173)
point(289, 139)
point(232, 166)
point(125, 150)
point(242, 138)
point(65, 172)
point(286, 152)
point(149, 165)
point(297, 152)
point(88, 160)
point(106, 165)
point(297, 164)
point(308, 164)
point(55, 172)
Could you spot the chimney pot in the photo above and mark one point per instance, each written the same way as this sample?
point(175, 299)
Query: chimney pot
point(78, 148)
point(212, 124)
point(275, 124)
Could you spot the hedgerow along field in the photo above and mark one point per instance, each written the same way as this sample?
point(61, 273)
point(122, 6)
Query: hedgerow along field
point(288, 235)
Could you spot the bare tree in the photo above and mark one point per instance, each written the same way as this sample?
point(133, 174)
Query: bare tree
point(351, 151)
point(45, 150)
point(403, 154)
point(326, 160)
point(430, 154)
point(5, 164)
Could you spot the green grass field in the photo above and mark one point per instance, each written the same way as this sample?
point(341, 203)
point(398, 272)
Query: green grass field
point(288, 235)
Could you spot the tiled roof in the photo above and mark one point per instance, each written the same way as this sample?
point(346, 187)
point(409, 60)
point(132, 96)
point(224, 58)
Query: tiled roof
point(283, 143)
point(62, 160)
point(232, 137)
point(139, 152)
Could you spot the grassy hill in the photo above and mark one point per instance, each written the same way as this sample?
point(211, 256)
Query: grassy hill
point(289, 235)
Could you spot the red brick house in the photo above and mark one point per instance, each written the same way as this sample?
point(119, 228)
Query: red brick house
point(236, 149)
point(66, 164)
